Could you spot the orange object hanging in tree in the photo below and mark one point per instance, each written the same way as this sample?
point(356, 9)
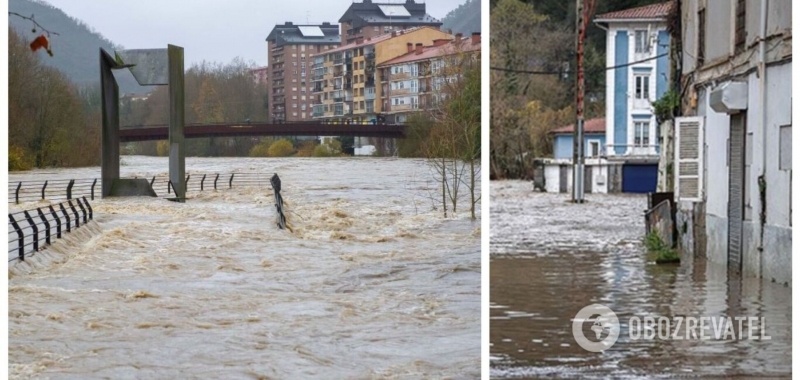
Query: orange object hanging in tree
point(41, 42)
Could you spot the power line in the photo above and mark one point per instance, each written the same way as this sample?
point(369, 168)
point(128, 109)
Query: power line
point(504, 69)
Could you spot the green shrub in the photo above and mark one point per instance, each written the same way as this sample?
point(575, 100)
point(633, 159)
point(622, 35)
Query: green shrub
point(657, 247)
point(281, 148)
point(17, 160)
point(330, 148)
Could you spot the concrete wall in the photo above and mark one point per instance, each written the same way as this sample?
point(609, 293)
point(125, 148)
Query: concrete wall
point(552, 174)
point(775, 260)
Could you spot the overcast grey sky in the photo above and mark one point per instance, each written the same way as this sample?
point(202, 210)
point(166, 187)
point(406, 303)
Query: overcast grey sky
point(211, 30)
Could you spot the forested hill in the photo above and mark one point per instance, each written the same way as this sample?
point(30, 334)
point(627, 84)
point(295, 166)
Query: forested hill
point(563, 12)
point(465, 19)
point(75, 49)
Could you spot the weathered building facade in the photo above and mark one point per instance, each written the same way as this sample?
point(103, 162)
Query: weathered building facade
point(733, 166)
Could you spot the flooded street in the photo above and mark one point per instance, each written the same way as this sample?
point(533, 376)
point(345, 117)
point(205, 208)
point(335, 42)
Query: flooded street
point(371, 283)
point(551, 258)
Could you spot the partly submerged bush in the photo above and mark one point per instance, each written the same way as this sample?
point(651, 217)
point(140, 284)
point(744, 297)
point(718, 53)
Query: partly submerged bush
point(281, 148)
point(662, 251)
point(17, 159)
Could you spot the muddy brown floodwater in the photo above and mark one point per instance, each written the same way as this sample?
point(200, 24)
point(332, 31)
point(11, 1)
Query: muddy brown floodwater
point(371, 284)
point(551, 258)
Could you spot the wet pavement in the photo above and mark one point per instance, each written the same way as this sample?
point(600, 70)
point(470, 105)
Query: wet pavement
point(551, 258)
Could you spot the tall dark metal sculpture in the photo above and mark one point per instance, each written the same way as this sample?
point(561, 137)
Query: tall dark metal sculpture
point(149, 67)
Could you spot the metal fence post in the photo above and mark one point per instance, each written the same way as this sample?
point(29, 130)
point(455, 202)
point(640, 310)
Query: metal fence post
point(66, 215)
point(230, 182)
point(93, 183)
point(202, 181)
point(74, 211)
point(89, 207)
point(58, 221)
point(83, 210)
point(215, 181)
point(19, 185)
point(35, 231)
point(44, 187)
point(69, 188)
point(46, 225)
point(20, 237)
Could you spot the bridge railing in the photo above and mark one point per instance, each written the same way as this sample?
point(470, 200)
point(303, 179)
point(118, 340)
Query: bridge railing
point(284, 122)
point(29, 231)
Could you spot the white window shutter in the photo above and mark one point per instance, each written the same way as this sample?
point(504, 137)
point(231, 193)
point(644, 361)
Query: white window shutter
point(688, 168)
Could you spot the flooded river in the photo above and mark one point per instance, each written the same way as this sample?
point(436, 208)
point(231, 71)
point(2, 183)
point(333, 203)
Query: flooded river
point(551, 258)
point(372, 283)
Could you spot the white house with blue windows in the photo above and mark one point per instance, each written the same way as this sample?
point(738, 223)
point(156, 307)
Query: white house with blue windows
point(637, 47)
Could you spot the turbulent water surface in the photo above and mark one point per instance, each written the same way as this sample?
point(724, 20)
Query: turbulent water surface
point(551, 258)
point(371, 283)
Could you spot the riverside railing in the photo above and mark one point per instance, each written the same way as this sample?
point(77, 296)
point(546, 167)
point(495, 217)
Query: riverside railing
point(66, 189)
point(31, 230)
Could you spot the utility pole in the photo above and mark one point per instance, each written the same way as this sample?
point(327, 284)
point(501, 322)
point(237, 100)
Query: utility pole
point(577, 137)
point(578, 160)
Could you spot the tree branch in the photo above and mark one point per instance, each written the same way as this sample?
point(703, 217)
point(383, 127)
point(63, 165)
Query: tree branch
point(34, 23)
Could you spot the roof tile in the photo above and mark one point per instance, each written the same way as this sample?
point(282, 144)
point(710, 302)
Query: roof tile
point(659, 10)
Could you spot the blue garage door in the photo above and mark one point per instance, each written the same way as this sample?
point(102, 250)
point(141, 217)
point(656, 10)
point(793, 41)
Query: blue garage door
point(639, 178)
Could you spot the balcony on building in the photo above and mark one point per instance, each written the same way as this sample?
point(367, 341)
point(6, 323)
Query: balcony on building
point(369, 93)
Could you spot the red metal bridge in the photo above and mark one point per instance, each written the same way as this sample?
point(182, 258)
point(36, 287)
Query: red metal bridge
point(305, 128)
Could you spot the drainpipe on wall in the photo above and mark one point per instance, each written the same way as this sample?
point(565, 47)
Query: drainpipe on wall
point(762, 77)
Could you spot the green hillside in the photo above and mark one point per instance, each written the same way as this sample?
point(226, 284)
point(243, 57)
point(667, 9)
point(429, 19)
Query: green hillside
point(465, 19)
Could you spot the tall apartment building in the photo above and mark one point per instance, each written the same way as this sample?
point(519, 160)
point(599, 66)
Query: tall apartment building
point(345, 79)
point(416, 81)
point(369, 20)
point(290, 48)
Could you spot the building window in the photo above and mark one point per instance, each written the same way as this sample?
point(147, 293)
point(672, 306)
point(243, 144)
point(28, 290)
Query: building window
point(741, 33)
point(642, 83)
point(785, 153)
point(641, 133)
point(594, 148)
point(642, 41)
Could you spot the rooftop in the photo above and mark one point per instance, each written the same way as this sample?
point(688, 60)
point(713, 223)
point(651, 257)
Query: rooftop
point(383, 13)
point(596, 125)
point(647, 12)
point(435, 50)
point(289, 34)
point(371, 41)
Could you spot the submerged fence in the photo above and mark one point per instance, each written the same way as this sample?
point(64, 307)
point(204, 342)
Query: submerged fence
point(275, 181)
point(66, 189)
point(31, 230)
